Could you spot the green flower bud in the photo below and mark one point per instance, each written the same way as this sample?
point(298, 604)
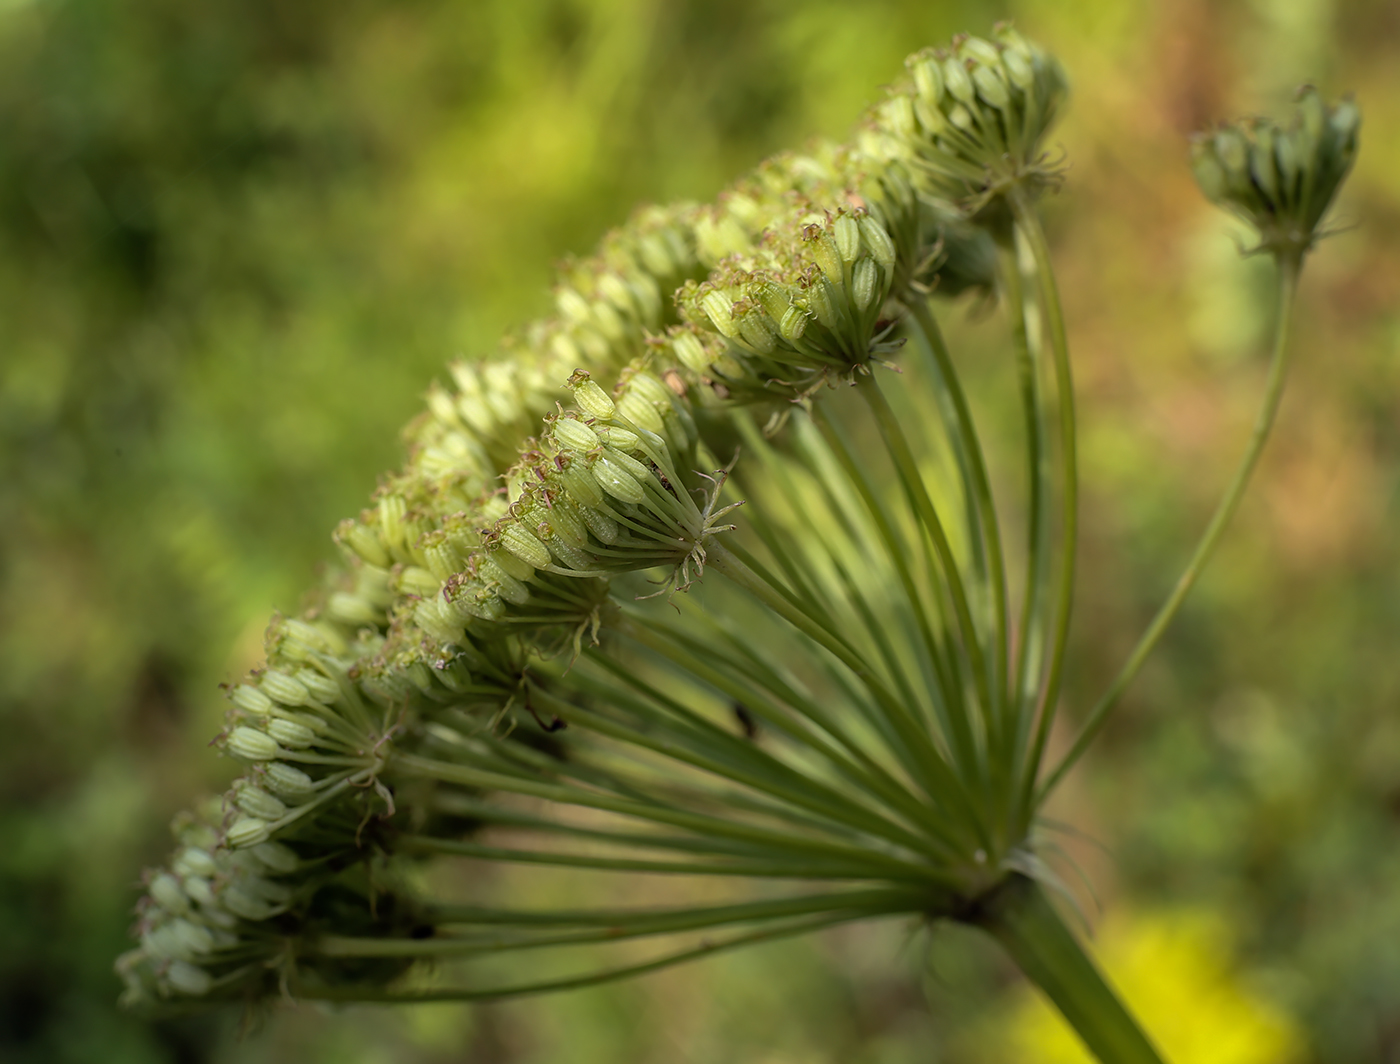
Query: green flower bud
point(415, 581)
point(252, 745)
point(983, 52)
point(577, 479)
point(793, 324)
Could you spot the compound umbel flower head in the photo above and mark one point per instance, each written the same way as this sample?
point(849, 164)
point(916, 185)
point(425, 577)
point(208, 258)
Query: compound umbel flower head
point(1280, 180)
point(973, 116)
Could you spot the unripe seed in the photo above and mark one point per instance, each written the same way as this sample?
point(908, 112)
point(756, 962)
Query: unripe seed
point(641, 412)
point(616, 481)
point(323, 689)
point(524, 546)
point(284, 689)
point(863, 283)
point(188, 979)
point(257, 802)
point(574, 435)
point(290, 734)
point(247, 831)
point(690, 351)
point(846, 233)
point(600, 524)
point(191, 860)
point(957, 80)
point(252, 745)
point(165, 891)
point(591, 399)
point(277, 857)
point(251, 700)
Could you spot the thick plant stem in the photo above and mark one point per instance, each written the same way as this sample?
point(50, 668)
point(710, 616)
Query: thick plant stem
point(1289, 268)
point(1021, 918)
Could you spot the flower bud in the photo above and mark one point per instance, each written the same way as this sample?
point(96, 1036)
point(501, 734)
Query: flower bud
point(252, 745)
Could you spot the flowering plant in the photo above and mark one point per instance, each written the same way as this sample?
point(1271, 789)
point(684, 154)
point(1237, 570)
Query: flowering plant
point(851, 709)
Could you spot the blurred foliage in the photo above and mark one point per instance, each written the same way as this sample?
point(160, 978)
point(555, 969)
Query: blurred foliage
point(238, 239)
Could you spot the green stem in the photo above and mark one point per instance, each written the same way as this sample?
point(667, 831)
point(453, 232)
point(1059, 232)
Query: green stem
point(979, 487)
point(364, 993)
point(1028, 226)
point(1289, 268)
point(1022, 919)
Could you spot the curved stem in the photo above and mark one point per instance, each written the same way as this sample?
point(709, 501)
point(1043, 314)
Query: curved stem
point(1289, 268)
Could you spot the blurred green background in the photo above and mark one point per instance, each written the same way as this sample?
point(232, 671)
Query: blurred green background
point(238, 239)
